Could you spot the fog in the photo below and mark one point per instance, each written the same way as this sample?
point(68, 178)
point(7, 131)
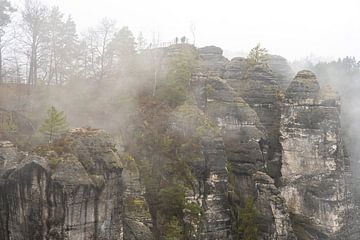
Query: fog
point(305, 32)
point(127, 67)
point(293, 29)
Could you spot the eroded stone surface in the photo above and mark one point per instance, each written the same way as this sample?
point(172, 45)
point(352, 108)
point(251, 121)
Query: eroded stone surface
point(246, 151)
point(73, 192)
point(313, 175)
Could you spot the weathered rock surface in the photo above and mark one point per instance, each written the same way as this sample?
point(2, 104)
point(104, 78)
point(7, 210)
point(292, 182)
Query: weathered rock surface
point(236, 68)
point(246, 151)
point(212, 61)
point(209, 170)
point(281, 69)
point(73, 192)
point(258, 87)
point(275, 218)
point(261, 87)
point(137, 220)
point(313, 176)
point(217, 222)
point(283, 150)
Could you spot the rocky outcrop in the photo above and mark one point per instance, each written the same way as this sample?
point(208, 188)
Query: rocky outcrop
point(261, 86)
point(273, 139)
point(209, 190)
point(258, 87)
point(275, 218)
point(236, 68)
point(74, 191)
point(212, 61)
point(313, 176)
point(279, 152)
point(137, 220)
point(281, 69)
point(216, 223)
point(246, 150)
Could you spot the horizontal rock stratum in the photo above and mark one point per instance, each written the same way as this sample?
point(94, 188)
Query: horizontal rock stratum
point(71, 189)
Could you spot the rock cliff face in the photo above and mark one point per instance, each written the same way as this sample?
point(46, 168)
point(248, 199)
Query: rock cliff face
point(212, 61)
point(313, 175)
point(258, 87)
point(282, 70)
point(279, 148)
point(216, 222)
point(246, 150)
point(284, 148)
point(74, 191)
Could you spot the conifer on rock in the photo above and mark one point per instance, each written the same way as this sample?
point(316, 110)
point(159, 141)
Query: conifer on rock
point(55, 123)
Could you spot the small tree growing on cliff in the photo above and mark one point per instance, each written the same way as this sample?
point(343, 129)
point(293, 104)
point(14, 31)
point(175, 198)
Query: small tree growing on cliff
point(248, 221)
point(257, 55)
point(54, 124)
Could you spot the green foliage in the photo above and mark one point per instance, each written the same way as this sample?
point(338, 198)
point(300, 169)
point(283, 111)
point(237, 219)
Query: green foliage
point(136, 205)
point(173, 230)
point(172, 201)
point(53, 162)
point(194, 210)
point(167, 144)
point(123, 43)
point(248, 221)
point(173, 89)
point(123, 48)
point(55, 123)
point(194, 214)
point(257, 55)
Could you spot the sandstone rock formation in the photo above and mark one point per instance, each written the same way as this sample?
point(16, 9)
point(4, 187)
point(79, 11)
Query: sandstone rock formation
point(212, 61)
point(313, 176)
point(281, 69)
point(259, 89)
point(246, 151)
point(302, 126)
point(277, 143)
point(72, 191)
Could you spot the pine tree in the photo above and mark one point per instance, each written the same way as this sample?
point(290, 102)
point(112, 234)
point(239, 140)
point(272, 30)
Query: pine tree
point(54, 124)
point(124, 44)
point(123, 47)
point(141, 43)
point(257, 55)
point(58, 48)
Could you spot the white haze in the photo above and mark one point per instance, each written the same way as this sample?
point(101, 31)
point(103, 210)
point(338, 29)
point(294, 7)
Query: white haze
point(291, 28)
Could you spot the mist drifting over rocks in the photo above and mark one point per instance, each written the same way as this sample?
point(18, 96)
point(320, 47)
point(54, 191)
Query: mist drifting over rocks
point(111, 134)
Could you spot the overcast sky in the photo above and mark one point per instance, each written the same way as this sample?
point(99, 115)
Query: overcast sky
point(291, 28)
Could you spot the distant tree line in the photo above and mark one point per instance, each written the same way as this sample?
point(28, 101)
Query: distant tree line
point(39, 45)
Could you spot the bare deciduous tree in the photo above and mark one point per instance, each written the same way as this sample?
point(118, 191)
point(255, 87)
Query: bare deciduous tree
point(5, 11)
point(34, 15)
